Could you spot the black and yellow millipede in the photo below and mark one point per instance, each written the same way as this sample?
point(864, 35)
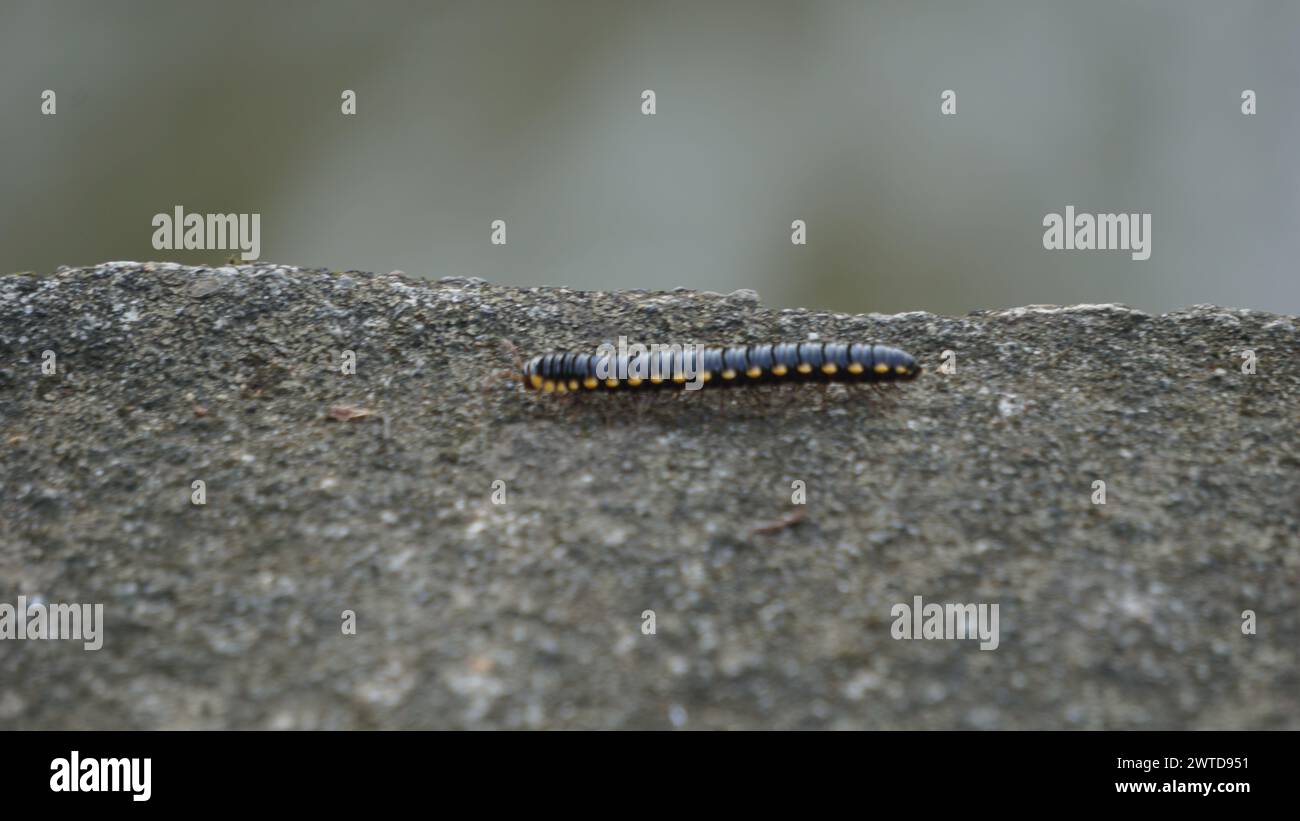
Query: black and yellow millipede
point(779, 363)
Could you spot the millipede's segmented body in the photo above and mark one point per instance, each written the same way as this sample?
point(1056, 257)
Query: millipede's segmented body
point(742, 365)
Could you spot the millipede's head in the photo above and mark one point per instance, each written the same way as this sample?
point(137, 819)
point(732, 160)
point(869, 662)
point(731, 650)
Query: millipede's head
point(531, 377)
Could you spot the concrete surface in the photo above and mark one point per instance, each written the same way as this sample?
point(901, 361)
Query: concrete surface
point(371, 492)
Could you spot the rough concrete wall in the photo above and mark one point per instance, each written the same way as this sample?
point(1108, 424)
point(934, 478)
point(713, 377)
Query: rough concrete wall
point(973, 487)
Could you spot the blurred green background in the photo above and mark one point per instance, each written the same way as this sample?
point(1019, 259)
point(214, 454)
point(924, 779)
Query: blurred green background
point(767, 112)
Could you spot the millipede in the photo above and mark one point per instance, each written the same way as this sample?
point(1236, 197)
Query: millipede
point(683, 366)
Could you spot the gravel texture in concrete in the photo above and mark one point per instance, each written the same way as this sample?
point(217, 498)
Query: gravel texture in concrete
point(372, 492)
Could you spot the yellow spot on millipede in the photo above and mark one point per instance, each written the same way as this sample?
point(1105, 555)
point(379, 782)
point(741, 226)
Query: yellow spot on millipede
point(611, 382)
point(548, 386)
point(804, 367)
point(590, 382)
point(728, 374)
point(535, 380)
point(780, 370)
point(829, 368)
point(705, 376)
point(754, 372)
point(881, 367)
point(855, 368)
point(573, 384)
point(900, 369)
point(634, 381)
